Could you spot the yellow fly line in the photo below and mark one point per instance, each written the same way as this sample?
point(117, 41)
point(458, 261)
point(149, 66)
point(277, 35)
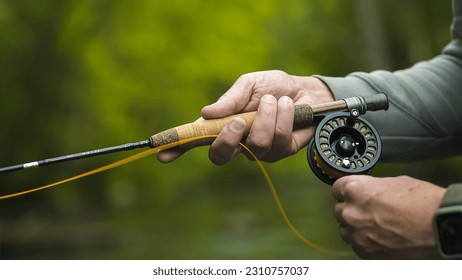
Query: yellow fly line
point(178, 143)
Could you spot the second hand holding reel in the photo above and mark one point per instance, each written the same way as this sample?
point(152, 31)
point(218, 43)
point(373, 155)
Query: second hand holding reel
point(344, 144)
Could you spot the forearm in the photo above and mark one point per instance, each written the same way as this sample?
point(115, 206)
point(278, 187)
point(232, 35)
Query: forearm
point(425, 100)
point(424, 107)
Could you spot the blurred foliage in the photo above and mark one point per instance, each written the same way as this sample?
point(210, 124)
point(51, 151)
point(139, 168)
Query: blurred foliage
point(79, 75)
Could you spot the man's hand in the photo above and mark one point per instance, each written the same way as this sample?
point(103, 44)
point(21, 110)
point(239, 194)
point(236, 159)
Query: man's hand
point(273, 95)
point(387, 218)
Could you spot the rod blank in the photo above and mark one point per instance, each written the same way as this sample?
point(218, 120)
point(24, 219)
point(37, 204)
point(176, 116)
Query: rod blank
point(87, 154)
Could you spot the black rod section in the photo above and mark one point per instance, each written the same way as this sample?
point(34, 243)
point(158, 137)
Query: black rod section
point(93, 153)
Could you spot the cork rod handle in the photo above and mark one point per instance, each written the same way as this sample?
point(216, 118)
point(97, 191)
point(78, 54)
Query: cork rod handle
point(303, 117)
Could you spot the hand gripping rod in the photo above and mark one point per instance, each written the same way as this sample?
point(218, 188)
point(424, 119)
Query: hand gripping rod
point(304, 116)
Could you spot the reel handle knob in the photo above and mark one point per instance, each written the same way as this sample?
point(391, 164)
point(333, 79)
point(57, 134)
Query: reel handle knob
point(346, 146)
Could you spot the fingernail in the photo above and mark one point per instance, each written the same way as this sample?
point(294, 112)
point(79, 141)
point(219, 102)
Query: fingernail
point(268, 98)
point(286, 99)
point(237, 126)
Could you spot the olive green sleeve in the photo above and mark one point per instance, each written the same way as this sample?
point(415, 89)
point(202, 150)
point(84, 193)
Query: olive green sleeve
point(453, 195)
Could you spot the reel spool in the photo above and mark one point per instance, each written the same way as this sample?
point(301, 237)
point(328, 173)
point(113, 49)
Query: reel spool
point(344, 144)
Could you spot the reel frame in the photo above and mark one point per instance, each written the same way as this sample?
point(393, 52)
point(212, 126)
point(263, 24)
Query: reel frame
point(344, 144)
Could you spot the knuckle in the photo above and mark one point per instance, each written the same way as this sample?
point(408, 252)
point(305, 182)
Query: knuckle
point(350, 185)
point(356, 185)
point(281, 132)
point(234, 103)
point(349, 215)
point(222, 156)
point(224, 145)
point(247, 78)
point(259, 143)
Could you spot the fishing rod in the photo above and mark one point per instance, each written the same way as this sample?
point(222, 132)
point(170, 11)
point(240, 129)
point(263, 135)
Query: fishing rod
point(304, 116)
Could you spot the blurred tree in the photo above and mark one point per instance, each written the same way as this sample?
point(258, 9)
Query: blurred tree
point(77, 75)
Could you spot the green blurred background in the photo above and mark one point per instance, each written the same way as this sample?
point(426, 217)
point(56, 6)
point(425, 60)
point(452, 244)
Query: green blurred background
point(83, 74)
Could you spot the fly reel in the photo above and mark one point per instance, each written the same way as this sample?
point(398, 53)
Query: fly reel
point(344, 144)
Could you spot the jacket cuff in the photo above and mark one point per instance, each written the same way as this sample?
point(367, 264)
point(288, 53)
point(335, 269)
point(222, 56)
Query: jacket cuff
point(453, 195)
point(349, 86)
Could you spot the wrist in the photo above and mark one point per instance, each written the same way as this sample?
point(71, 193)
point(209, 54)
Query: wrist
point(318, 91)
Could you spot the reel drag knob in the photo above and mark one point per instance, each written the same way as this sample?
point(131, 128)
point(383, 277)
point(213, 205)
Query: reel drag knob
point(343, 145)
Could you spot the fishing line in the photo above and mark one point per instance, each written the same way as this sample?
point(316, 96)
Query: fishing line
point(284, 215)
point(178, 143)
point(109, 166)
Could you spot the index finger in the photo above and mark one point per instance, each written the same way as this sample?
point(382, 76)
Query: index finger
point(233, 101)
